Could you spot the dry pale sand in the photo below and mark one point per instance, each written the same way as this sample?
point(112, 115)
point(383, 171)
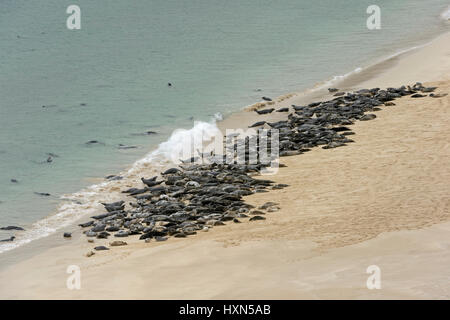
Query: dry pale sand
point(383, 200)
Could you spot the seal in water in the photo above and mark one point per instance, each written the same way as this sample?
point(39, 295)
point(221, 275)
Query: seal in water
point(8, 240)
point(52, 155)
point(266, 99)
point(44, 194)
point(122, 146)
point(93, 142)
point(113, 177)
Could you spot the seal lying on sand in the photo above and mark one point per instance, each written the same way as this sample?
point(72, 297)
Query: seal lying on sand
point(151, 182)
point(438, 95)
point(257, 124)
point(265, 111)
point(196, 197)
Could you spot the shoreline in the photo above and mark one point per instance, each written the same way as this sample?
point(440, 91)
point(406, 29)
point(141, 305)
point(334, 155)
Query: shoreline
point(294, 254)
point(250, 249)
point(385, 76)
point(235, 120)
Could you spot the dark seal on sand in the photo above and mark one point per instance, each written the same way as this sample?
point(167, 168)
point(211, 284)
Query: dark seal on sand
point(265, 111)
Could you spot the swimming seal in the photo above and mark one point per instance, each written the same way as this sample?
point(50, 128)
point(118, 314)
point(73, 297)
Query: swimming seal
point(8, 240)
point(265, 111)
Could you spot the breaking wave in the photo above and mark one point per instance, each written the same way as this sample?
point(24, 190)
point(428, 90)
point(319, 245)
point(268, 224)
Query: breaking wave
point(87, 202)
point(445, 15)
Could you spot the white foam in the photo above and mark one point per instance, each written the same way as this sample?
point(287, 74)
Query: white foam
point(174, 149)
point(66, 214)
point(445, 15)
point(335, 79)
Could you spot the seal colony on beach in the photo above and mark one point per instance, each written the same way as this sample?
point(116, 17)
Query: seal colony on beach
point(198, 196)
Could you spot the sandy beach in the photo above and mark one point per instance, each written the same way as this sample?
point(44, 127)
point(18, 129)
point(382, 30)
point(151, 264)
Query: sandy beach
point(383, 200)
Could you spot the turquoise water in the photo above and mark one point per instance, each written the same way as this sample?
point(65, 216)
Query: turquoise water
point(108, 81)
